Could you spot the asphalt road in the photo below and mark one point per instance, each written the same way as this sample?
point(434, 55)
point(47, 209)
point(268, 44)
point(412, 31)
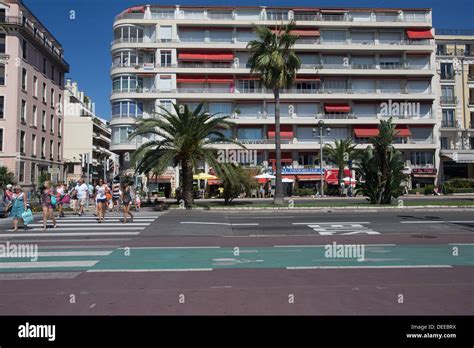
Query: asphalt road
point(252, 262)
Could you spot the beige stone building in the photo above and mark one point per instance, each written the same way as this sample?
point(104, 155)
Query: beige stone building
point(455, 71)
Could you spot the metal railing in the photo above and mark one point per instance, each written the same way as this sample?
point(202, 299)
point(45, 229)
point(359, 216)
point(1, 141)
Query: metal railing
point(448, 100)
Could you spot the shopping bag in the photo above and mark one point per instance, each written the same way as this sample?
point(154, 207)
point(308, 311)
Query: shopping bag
point(27, 217)
point(66, 199)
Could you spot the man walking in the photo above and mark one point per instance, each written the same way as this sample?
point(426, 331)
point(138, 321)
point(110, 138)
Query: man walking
point(82, 195)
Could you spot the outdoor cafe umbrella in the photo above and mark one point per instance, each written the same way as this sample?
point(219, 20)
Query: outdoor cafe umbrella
point(204, 176)
point(265, 176)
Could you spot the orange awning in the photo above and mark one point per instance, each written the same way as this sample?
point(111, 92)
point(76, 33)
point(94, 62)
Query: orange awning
point(286, 131)
point(419, 34)
point(337, 108)
point(368, 131)
point(206, 56)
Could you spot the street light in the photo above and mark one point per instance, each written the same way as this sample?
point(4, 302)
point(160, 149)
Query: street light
point(328, 130)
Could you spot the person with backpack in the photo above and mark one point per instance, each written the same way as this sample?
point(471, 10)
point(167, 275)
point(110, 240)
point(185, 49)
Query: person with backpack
point(126, 196)
point(49, 200)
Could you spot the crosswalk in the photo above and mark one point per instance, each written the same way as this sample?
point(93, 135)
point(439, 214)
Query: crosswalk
point(75, 245)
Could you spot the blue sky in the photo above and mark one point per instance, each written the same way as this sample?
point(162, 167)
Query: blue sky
point(86, 39)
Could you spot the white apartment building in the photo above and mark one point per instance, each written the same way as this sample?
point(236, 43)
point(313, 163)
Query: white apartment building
point(85, 133)
point(358, 66)
point(455, 68)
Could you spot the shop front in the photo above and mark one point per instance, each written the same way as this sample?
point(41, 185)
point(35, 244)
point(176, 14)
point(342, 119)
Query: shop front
point(421, 177)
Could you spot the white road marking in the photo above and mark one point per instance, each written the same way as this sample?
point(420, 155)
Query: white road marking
point(21, 235)
point(47, 264)
point(73, 240)
point(107, 220)
point(461, 244)
point(323, 245)
point(95, 225)
point(351, 267)
point(338, 228)
point(97, 228)
point(178, 247)
point(218, 223)
point(151, 270)
point(329, 223)
point(422, 222)
point(74, 253)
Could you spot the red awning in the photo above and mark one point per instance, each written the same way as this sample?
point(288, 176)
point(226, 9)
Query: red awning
point(286, 131)
point(332, 175)
point(308, 78)
point(337, 108)
point(368, 131)
point(248, 77)
point(220, 79)
point(206, 56)
point(285, 157)
point(419, 34)
point(136, 9)
point(301, 32)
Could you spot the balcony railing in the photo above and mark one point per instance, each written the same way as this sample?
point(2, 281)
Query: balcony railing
point(448, 100)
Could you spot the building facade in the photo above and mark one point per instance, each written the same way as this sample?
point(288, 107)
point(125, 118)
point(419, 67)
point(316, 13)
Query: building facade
point(455, 70)
point(32, 69)
point(85, 133)
point(358, 66)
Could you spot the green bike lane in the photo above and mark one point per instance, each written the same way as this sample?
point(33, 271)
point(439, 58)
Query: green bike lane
point(209, 258)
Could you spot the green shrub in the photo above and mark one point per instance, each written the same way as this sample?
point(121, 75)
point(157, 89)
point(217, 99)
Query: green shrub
point(304, 192)
point(460, 183)
point(429, 189)
point(460, 190)
point(415, 191)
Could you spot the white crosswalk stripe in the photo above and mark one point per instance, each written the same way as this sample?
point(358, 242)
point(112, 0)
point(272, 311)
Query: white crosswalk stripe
point(52, 260)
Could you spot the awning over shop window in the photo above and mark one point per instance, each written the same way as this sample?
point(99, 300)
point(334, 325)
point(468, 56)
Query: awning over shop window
point(419, 34)
point(191, 79)
point(460, 157)
point(337, 108)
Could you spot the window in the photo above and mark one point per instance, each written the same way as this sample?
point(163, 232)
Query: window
point(52, 73)
point(43, 121)
point(127, 84)
point(35, 86)
point(2, 107)
point(60, 104)
point(22, 142)
point(52, 98)
point(127, 109)
point(33, 145)
point(33, 172)
point(44, 92)
point(167, 105)
point(51, 123)
point(2, 43)
point(222, 109)
point(59, 151)
point(44, 66)
point(165, 83)
point(440, 50)
point(120, 135)
point(51, 149)
point(165, 33)
point(61, 79)
point(444, 143)
point(35, 116)
point(247, 86)
point(2, 75)
point(23, 112)
point(22, 172)
point(165, 58)
point(447, 72)
point(43, 148)
point(448, 118)
point(23, 79)
point(1, 139)
point(24, 48)
point(421, 158)
point(447, 94)
point(334, 36)
point(60, 126)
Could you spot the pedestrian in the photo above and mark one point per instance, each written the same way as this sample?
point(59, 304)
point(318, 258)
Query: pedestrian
point(74, 204)
point(138, 201)
point(101, 199)
point(8, 194)
point(18, 206)
point(82, 195)
point(116, 195)
point(49, 200)
point(126, 202)
point(61, 194)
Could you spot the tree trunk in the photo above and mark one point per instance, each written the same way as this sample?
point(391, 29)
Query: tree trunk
point(187, 169)
point(278, 199)
point(340, 176)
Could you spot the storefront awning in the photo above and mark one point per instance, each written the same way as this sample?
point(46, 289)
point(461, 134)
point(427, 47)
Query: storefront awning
point(337, 108)
point(206, 56)
point(285, 157)
point(419, 34)
point(191, 79)
point(460, 157)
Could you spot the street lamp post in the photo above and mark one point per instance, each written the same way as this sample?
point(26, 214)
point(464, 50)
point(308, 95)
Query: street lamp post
point(321, 128)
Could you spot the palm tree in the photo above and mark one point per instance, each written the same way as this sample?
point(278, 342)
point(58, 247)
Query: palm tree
point(341, 153)
point(273, 58)
point(6, 177)
point(181, 137)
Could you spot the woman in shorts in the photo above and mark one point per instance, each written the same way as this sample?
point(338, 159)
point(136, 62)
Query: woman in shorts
point(101, 199)
point(126, 202)
point(47, 205)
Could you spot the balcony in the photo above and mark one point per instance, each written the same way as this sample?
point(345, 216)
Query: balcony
point(447, 100)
